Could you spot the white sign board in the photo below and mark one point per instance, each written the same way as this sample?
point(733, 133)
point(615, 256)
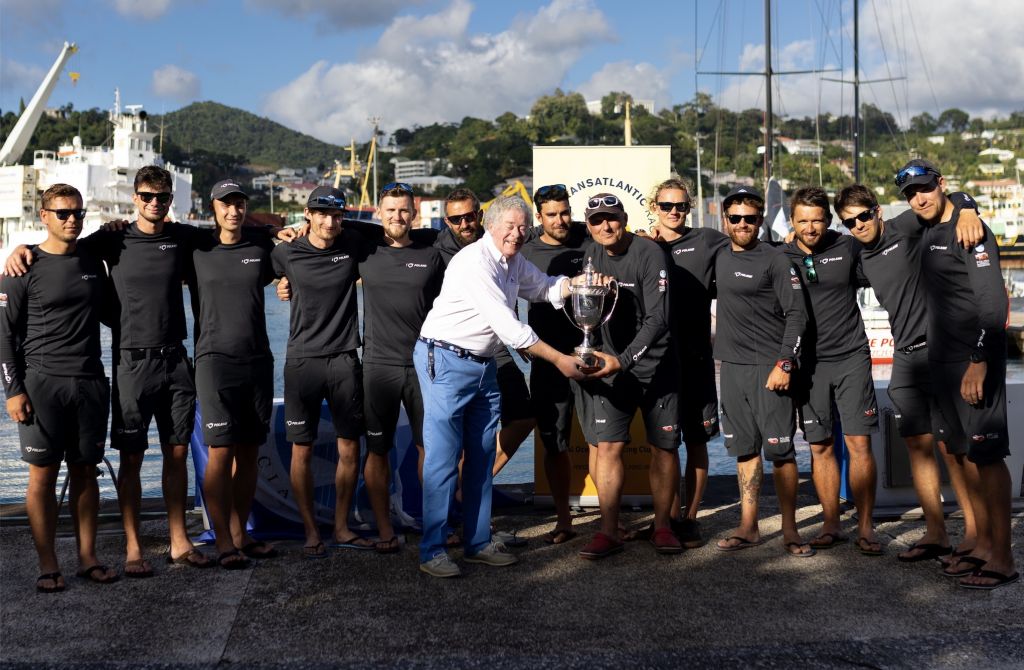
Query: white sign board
point(626, 172)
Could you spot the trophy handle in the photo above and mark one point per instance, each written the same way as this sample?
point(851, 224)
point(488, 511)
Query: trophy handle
point(615, 285)
point(568, 315)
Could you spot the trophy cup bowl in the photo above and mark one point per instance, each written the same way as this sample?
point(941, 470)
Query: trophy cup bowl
point(588, 314)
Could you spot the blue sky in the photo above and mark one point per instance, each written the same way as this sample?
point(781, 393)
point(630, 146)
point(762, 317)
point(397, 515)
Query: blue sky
point(324, 66)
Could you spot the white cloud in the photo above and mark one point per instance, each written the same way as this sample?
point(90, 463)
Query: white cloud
point(142, 9)
point(339, 14)
point(971, 51)
point(15, 76)
point(641, 80)
point(432, 69)
point(171, 81)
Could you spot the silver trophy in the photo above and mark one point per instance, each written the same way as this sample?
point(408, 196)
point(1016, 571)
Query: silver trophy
point(588, 313)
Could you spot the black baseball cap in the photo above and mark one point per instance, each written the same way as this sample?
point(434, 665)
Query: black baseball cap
point(604, 203)
point(917, 171)
point(741, 192)
point(326, 197)
point(226, 187)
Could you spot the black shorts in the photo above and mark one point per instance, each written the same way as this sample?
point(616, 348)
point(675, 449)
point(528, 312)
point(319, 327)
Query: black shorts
point(612, 407)
point(849, 385)
point(978, 431)
point(385, 389)
point(68, 419)
point(698, 399)
point(152, 383)
point(235, 399)
point(308, 382)
point(910, 390)
point(554, 398)
point(515, 396)
point(754, 418)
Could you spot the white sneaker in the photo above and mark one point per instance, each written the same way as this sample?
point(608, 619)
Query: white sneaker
point(440, 566)
point(494, 554)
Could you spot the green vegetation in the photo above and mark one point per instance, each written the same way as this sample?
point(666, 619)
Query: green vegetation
point(217, 141)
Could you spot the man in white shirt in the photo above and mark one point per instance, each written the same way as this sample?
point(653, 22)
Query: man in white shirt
point(472, 318)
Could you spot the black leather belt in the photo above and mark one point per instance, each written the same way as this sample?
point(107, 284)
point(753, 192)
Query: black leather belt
point(458, 351)
point(910, 348)
point(172, 351)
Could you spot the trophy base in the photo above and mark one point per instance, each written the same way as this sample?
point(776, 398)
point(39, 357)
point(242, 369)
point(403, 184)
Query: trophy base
point(586, 358)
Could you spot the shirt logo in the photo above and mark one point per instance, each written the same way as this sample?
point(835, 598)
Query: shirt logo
point(246, 261)
point(343, 257)
point(88, 277)
point(835, 259)
point(980, 248)
point(936, 247)
point(640, 353)
point(3, 300)
point(415, 265)
point(216, 424)
point(622, 283)
point(374, 433)
point(295, 423)
point(892, 248)
point(7, 374)
point(743, 274)
point(35, 450)
point(165, 247)
point(683, 251)
point(981, 259)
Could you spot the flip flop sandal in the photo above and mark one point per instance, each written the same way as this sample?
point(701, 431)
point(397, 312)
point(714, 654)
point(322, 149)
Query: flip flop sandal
point(928, 552)
point(189, 559)
point(315, 552)
point(864, 547)
point(834, 540)
point(267, 551)
point(391, 546)
point(242, 564)
point(144, 573)
point(560, 536)
point(973, 562)
point(741, 543)
point(50, 576)
point(88, 574)
point(1000, 580)
point(812, 552)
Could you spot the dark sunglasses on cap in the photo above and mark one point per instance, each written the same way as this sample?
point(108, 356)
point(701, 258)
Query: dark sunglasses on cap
point(667, 207)
point(863, 217)
point(607, 201)
point(459, 219)
point(162, 198)
point(396, 186)
point(913, 171)
point(556, 191)
point(812, 274)
point(752, 219)
point(336, 201)
point(63, 214)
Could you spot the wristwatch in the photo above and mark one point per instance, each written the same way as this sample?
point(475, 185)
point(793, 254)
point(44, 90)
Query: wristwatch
point(784, 364)
point(979, 356)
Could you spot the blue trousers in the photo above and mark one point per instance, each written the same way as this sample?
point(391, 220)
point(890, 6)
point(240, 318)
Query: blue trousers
point(461, 408)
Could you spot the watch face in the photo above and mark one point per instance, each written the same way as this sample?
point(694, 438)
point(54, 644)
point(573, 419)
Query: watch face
point(786, 366)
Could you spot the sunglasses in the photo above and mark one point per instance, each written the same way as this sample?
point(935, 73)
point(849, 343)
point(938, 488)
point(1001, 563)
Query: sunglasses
point(607, 201)
point(812, 274)
point(459, 219)
point(683, 207)
point(752, 219)
point(162, 198)
point(336, 201)
point(863, 217)
point(913, 171)
point(64, 214)
point(396, 186)
point(556, 191)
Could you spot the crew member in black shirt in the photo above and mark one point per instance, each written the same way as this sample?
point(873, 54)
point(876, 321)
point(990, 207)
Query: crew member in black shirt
point(401, 278)
point(891, 262)
point(639, 371)
point(556, 251)
point(967, 315)
point(234, 369)
point(761, 321)
point(692, 253)
point(54, 381)
point(835, 368)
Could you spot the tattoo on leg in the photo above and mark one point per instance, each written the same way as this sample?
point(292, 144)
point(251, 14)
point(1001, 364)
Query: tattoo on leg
point(750, 487)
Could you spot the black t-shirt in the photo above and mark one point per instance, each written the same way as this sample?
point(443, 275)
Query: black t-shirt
point(692, 273)
point(226, 282)
point(146, 271)
point(550, 324)
point(761, 313)
point(835, 327)
point(50, 318)
point(967, 301)
point(399, 287)
point(324, 317)
point(637, 332)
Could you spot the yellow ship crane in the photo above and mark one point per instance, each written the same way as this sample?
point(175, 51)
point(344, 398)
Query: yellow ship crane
point(515, 188)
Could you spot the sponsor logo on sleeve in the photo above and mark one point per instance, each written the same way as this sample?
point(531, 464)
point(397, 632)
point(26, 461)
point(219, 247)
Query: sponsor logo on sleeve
point(662, 281)
point(3, 300)
point(938, 247)
point(870, 412)
point(295, 423)
point(216, 424)
point(981, 258)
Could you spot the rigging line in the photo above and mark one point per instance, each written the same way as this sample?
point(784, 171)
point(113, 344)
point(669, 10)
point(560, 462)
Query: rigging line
point(777, 54)
point(885, 119)
point(828, 34)
point(708, 39)
point(924, 65)
point(888, 69)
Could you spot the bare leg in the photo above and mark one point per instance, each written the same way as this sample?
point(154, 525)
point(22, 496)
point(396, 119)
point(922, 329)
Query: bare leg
point(510, 437)
point(925, 470)
point(958, 480)
point(982, 520)
point(610, 477)
point(217, 495)
point(558, 469)
point(175, 486)
point(301, 475)
point(41, 506)
point(664, 477)
point(243, 488)
point(749, 474)
point(994, 493)
point(825, 473)
point(345, 486)
point(375, 473)
point(84, 503)
point(129, 498)
point(787, 479)
point(863, 479)
point(696, 477)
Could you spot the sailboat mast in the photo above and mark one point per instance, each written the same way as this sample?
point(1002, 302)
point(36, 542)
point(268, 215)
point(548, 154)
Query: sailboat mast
point(768, 130)
point(856, 93)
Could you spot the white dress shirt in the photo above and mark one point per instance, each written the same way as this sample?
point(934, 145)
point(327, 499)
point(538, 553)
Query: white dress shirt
point(476, 307)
